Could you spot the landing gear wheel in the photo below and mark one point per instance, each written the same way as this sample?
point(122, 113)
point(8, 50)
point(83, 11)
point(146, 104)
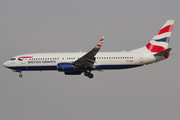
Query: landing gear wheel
point(90, 75)
point(20, 75)
point(86, 73)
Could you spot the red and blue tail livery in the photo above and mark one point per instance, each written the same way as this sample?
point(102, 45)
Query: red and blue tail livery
point(160, 41)
point(76, 63)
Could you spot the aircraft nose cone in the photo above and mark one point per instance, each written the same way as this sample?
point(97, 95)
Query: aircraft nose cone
point(5, 64)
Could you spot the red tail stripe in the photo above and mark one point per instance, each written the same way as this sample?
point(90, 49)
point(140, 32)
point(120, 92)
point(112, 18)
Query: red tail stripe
point(102, 39)
point(166, 55)
point(154, 48)
point(99, 45)
point(165, 29)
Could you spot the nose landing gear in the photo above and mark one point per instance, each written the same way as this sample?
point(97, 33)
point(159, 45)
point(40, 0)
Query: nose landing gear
point(19, 71)
point(20, 75)
point(88, 74)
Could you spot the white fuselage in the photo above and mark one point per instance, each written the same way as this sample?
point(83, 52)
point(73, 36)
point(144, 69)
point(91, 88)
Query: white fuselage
point(104, 60)
point(77, 63)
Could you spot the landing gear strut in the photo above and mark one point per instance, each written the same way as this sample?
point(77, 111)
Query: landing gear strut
point(88, 74)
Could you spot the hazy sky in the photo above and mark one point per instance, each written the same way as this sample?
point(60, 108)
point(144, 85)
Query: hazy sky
point(145, 93)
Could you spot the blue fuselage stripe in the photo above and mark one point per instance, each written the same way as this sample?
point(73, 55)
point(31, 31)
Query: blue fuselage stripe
point(36, 68)
point(29, 68)
point(115, 66)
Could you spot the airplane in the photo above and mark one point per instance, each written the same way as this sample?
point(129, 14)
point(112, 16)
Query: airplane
point(76, 63)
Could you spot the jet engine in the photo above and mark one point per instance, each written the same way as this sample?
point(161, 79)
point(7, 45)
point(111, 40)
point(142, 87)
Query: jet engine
point(65, 67)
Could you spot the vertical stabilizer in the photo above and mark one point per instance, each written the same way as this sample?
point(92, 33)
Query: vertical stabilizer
point(160, 41)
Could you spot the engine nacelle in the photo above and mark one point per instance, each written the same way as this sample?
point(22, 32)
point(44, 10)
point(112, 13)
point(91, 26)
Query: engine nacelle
point(72, 72)
point(65, 67)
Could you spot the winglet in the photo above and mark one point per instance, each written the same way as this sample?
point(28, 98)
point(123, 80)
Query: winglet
point(100, 42)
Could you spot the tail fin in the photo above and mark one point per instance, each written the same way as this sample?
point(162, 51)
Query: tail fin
point(161, 40)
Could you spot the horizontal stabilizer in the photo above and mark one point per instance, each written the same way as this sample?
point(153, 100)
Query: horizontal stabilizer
point(164, 53)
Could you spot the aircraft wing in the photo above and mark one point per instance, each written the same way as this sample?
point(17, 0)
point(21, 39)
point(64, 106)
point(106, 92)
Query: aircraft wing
point(88, 59)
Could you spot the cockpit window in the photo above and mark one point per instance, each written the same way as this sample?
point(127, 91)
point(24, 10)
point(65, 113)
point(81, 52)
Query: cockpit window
point(13, 59)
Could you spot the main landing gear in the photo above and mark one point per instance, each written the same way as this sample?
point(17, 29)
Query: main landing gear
point(88, 74)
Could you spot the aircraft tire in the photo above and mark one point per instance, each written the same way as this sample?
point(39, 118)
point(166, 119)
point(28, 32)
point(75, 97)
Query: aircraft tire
point(20, 75)
point(90, 75)
point(86, 73)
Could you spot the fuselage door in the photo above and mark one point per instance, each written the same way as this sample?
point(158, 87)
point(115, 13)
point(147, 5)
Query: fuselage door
point(141, 58)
